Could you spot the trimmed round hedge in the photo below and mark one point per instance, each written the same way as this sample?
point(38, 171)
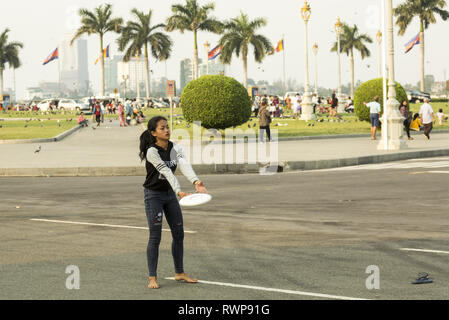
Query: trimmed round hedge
point(219, 102)
point(368, 90)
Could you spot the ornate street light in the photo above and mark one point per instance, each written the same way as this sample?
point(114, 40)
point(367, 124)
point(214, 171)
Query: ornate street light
point(392, 122)
point(315, 52)
point(379, 38)
point(338, 31)
point(207, 48)
point(307, 105)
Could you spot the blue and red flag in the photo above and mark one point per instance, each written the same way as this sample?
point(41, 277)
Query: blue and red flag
point(416, 40)
point(106, 54)
point(53, 56)
point(214, 53)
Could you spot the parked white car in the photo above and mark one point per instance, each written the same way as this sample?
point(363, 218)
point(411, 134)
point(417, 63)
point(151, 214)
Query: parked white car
point(45, 104)
point(72, 104)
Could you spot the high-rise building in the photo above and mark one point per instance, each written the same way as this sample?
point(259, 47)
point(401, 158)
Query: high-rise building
point(204, 68)
point(111, 73)
point(134, 71)
point(74, 70)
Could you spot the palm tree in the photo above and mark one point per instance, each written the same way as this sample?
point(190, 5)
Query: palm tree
point(99, 21)
point(193, 17)
point(9, 53)
point(239, 35)
point(425, 10)
point(351, 39)
point(137, 35)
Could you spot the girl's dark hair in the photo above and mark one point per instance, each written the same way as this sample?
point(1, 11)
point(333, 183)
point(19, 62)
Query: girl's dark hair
point(147, 139)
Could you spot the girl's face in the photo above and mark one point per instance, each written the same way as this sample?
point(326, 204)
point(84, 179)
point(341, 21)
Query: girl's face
point(162, 132)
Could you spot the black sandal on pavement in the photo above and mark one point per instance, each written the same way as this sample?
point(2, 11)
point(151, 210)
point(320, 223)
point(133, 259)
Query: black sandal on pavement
point(423, 279)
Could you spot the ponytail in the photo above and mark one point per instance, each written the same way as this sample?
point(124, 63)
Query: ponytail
point(147, 139)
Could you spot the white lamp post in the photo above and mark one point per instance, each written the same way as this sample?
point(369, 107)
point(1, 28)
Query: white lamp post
point(392, 122)
point(338, 31)
point(207, 47)
point(307, 105)
point(315, 52)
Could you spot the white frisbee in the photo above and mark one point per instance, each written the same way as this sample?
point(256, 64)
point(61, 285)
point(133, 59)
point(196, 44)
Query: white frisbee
point(196, 199)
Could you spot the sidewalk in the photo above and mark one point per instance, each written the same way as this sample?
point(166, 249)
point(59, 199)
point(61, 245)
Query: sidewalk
point(113, 151)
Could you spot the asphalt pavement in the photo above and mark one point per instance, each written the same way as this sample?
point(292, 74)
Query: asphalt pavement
point(291, 236)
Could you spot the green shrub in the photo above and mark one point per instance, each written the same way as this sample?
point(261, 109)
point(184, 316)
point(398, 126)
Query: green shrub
point(368, 90)
point(219, 102)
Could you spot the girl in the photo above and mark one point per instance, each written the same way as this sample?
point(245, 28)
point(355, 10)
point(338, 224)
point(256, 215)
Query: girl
point(161, 188)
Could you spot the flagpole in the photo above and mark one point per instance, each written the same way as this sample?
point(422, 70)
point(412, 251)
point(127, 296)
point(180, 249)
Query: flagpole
point(283, 51)
point(59, 74)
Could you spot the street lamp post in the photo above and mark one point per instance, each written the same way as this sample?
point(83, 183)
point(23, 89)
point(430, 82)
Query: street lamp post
point(338, 31)
point(315, 52)
point(379, 42)
point(125, 78)
point(392, 121)
point(307, 106)
point(207, 47)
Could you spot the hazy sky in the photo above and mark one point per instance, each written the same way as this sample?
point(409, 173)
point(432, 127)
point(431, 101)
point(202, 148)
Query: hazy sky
point(40, 25)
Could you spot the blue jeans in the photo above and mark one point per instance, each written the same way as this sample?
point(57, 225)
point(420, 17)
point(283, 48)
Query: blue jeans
point(156, 204)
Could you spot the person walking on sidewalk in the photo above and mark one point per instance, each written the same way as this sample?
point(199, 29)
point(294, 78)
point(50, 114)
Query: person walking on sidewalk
point(121, 115)
point(375, 110)
point(98, 113)
point(264, 121)
point(427, 118)
point(408, 118)
point(163, 157)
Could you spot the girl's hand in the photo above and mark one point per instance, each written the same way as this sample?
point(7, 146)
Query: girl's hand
point(200, 188)
point(183, 195)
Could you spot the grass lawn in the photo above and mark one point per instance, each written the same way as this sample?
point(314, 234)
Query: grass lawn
point(12, 130)
point(285, 127)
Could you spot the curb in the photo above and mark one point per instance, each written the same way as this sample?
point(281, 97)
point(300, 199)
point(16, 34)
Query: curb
point(58, 138)
point(283, 166)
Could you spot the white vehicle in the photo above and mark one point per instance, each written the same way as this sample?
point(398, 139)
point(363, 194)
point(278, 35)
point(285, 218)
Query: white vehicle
point(45, 104)
point(292, 94)
point(72, 104)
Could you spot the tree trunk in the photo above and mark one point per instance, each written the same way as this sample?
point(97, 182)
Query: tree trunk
point(195, 56)
point(245, 71)
point(352, 74)
point(422, 57)
point(147, 72)
point(102, 66)
point(1, 83)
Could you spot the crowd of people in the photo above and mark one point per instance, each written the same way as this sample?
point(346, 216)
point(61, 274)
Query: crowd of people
point(277, 106)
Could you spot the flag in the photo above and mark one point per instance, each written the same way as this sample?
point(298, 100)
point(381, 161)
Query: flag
point(105, 55)
point(215, 53)
point(280, 46)
point(53, 56)
point(416, 40)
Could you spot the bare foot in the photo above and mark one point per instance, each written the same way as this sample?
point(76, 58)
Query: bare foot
point(184, 277)
point(153, 283)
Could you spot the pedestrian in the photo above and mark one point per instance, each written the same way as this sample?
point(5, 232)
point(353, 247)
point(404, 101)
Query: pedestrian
point(334, 105)
point(121, 115)
point(408, 118)
point(161, 190)
point(98, 113)
point(375, 110)
point(288, 101)
point(427, 118)
point(297, 105)
point(416, 124)
point(264, 121)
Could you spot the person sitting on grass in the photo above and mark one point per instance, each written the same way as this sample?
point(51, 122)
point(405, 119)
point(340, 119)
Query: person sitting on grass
point(81, 121)
point(441, 117)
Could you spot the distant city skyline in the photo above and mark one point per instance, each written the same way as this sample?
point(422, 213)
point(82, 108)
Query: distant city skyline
point(283, 18)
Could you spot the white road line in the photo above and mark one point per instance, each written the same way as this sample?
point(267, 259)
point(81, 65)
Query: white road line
point(423, 250)
point(439, 172)
point(301, 293)
point(101, 225)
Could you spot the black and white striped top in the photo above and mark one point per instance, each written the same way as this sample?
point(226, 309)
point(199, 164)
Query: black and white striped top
point(161, 166)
